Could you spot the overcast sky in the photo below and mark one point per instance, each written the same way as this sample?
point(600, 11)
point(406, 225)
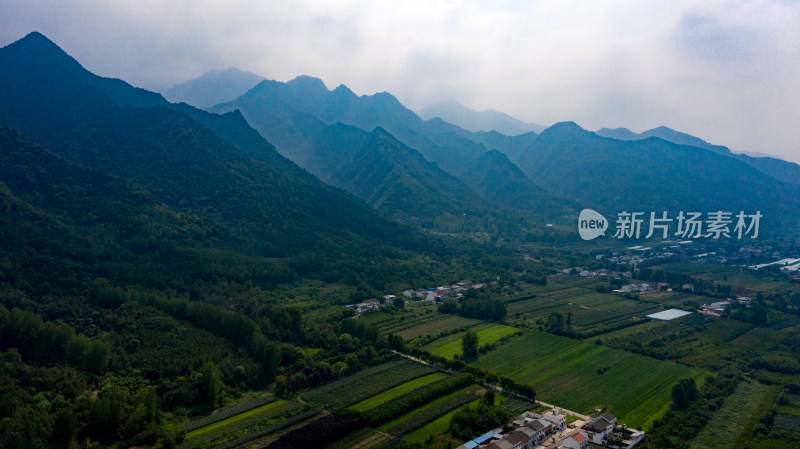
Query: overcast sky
point(725, 71)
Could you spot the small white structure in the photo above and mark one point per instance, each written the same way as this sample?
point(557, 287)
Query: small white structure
point(668, 315)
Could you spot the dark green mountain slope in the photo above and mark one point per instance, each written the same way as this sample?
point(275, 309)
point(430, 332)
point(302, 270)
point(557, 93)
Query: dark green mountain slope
point(498, 180)
point(187, 166)
point(125, 234)
point(234, 128)
point(397, 180)
point(652, 175)
point(779, 169)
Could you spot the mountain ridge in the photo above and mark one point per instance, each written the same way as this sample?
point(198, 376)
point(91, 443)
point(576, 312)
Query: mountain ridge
point(778, 168)
point(476, 121)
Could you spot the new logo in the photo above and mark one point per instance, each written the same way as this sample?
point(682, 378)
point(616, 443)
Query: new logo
point(591, 224)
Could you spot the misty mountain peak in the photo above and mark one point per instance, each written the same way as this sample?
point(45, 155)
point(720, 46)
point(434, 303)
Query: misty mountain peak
point(344, 91)
point(564, 129)
point(308, 82)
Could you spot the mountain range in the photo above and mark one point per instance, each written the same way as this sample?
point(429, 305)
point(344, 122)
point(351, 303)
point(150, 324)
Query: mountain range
point(775, 167)
point(565, 164)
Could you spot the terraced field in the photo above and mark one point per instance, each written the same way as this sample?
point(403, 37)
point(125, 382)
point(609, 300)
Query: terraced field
point(450, 345)
point(584, 376)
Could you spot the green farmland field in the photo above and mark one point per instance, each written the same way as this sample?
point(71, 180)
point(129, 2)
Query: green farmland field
point(436, 428)
point(729, 421)
point(583, 376)
point(442, 323)
point(263, 409)
point(392, 393)
point(366, 383)
point(450, 345)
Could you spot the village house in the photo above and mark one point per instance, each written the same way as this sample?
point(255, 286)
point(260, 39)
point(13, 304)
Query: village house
point(715, 308)
point(516, 440)
point(576, 441)
point(597, 430)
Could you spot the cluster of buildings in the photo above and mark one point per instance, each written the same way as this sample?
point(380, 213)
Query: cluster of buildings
point(531, 429)
point(643, 288)
point(373, 304)
point(550, 431)
point(718, 308)
point(455, 291)
point(602, 274)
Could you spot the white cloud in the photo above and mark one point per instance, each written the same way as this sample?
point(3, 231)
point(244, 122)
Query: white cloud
point(725, 71)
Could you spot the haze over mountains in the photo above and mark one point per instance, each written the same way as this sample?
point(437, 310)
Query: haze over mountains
point(213, 87)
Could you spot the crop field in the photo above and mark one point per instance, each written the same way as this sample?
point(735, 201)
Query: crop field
point(556, 284)
point(431, 411)
point(759, 339)
point(450, 345)
point(588, 309)
point(262, 420)
point(416, 321)
point(392, 393)
point(263, 410)
point(243, 405)
point(517, 406)
point(583, 376)
point(366, 383)
point(436, 428)
point(676, 299)
point(728, 276)
point(728, 421)
point(442, 323)
point(646, 326)
point(365, 438)
point(654, 329)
